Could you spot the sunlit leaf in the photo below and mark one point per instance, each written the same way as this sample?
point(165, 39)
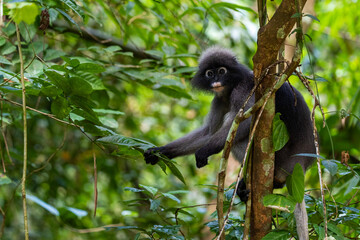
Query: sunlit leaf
point(4, 179)
point(90, 67)
point(312, 17)
point(280, 201)
point(23, 11)
point(331, 166)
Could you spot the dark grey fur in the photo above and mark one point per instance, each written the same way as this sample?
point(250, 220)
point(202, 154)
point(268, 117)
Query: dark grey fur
point(236, 85)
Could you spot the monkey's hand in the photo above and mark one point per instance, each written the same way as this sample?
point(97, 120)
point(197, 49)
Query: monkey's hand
point(150, 157)
point(201, 157)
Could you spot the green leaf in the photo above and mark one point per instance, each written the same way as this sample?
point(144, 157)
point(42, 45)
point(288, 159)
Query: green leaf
point(186, 70)
point(5, 61)
point(296, 15)
point(8, 48)
point(312, 17)
point(151, 190)
point(51, 91)
point(179, 192)
point(172, 197)
point(309, 155)
point(155, 53)
point(83, 102)
point(173, 91)
point(166, 231)
point(174, 170)
point(2, 40)
point(279, 200)
point(90, 67)
point(90, 116)
point(60, 107)
point(320, 79)
point(134, 143)
point(68, 18)
point(131, 189)
point(108, 111)
point(4, 179)
point(280, 133)
point(36, 68)
point(277, 235)
point(79, 86)
point(108, 121)
point(52, 54)
point(59, 81)
point(162, 165)
point(154, 204)
point(23, 11)
point(27, 31)
point(74, 7)
point(296, 183)
point(96, 82)
point(232, 6)
point(113, 48)
point(331, 166)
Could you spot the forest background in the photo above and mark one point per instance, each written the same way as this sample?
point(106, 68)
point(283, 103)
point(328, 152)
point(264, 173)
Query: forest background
point(106, 80)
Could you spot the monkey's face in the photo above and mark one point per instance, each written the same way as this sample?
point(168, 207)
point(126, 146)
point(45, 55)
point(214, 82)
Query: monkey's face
point(216, 79)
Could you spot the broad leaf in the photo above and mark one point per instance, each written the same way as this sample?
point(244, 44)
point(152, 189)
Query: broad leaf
point(151, 190)
point(4, 179)
point(331, 166)
point(277, 235)
point(295, 183)
point(174, 170)
point(280, 201)
point(280, 134)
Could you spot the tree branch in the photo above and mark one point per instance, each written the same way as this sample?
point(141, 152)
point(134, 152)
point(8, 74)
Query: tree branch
point(100, 37)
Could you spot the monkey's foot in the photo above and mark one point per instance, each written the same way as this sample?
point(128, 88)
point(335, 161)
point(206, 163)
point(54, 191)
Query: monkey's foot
point(242, 192)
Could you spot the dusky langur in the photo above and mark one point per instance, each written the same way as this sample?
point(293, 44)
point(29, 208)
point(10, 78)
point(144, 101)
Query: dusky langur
point(221, 74)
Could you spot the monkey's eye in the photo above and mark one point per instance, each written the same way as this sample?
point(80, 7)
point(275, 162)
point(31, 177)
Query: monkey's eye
point(209, 73)
point(222, 70)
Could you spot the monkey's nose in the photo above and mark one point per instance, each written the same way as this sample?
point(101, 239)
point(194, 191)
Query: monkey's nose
point(216, 84)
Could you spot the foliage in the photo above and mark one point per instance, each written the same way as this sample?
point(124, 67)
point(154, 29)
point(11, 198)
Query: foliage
point(105, 80)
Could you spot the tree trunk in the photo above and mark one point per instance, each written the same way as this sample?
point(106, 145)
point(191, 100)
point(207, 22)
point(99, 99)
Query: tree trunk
point(270, 38)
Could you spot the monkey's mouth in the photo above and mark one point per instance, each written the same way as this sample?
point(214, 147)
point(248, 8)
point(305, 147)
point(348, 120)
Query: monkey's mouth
point(217, 87)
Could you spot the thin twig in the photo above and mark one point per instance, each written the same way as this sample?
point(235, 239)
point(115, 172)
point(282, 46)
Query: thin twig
point(3, 222)
point(49, 158)
point(307, 86)
point(42, 113)
point(7, 147)
point(23, 180)
point(95, 183)
point(319, 167)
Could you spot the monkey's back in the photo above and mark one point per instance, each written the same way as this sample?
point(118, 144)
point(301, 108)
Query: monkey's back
point(296, 116)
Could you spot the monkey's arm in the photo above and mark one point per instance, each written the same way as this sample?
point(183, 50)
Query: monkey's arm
point(185, 145)
point(217, 141)
point(193, 141)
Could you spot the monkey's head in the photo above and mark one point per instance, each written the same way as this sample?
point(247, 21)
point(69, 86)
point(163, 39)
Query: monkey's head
point(219, 71)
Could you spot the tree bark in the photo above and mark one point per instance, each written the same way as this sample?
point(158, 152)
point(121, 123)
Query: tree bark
point(270, 38)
